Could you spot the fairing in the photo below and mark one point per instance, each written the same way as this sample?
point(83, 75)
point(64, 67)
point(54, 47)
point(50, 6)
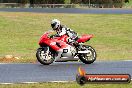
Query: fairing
point(53, 42)
point(84, 38)
point(58, 43)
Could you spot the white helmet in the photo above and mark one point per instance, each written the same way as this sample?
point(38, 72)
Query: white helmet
point(55, 24)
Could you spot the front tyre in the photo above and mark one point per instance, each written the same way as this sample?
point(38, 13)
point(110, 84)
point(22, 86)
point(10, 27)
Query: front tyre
point(45, 56)
point(89, 57)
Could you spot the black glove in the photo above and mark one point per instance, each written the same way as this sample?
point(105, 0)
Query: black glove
point(52, 36)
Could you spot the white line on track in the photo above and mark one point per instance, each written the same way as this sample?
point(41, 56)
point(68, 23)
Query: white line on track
point(127, 60)
point(68, 62)
point(38, 82)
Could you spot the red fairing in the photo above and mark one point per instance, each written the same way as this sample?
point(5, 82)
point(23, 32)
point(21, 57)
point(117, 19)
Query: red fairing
point(43, 38)
point(58, 43)
point(52, 41)
point(63, 38)
point(84, 38)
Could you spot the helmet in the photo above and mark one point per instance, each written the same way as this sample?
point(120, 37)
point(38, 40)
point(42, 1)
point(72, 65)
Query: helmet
point(55, 24)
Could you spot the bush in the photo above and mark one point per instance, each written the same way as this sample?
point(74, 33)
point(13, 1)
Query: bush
point(15, 1)
point(104, 3)
point(48, 1)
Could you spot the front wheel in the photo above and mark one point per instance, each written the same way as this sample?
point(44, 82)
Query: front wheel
point(45, 56)
point(89, 57)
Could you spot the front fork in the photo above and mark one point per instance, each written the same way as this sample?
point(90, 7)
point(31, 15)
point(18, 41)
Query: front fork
point(58, 54)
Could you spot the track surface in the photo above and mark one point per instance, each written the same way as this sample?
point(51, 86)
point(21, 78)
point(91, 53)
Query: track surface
point(20, 73)
point(69, 10)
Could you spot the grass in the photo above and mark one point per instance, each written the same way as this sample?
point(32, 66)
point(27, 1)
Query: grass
point(66, 85)
point(129, 4)
point(20, 32)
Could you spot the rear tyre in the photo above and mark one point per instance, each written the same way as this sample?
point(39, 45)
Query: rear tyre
point(89, 57)
point(45, 56)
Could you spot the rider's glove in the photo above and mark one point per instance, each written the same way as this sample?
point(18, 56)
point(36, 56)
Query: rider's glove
point(52, 36)
point(70, 40)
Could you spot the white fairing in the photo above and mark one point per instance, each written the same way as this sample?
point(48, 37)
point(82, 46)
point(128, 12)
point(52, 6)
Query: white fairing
point(67, 53)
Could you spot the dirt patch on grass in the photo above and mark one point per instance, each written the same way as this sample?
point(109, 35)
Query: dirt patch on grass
point(9, 59)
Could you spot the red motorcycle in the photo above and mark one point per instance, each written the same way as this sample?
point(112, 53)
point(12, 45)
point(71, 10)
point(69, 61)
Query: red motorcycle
point(57, 49)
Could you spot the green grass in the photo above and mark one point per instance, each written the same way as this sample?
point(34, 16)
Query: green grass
point(20, 32)
point(66, 85)
point(129, 4)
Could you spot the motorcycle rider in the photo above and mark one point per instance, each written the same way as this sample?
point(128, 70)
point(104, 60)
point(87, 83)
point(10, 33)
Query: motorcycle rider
point(62, 30)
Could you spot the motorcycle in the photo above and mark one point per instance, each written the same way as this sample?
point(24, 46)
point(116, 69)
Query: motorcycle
point(56, 49)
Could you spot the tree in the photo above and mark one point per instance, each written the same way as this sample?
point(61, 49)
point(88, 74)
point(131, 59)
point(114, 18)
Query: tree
point(31, 1)
point(126, 1)
point(67, 1)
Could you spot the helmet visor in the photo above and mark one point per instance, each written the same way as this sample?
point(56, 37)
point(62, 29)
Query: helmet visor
point(53, 25)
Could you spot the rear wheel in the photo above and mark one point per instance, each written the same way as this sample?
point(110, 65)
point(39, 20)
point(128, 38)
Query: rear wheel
point(89, 57)
point(45, 56)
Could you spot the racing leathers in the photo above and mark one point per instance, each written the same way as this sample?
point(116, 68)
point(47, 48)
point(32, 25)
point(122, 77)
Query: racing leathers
point(70, 33)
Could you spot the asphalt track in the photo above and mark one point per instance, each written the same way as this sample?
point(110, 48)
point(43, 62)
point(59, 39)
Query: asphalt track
point(70, 10)
point(63, 71)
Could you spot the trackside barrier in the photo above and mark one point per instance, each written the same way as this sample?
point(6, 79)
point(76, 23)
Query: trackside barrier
point(18, 5)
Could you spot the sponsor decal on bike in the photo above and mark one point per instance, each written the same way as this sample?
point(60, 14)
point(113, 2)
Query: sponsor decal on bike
point(53, 43)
